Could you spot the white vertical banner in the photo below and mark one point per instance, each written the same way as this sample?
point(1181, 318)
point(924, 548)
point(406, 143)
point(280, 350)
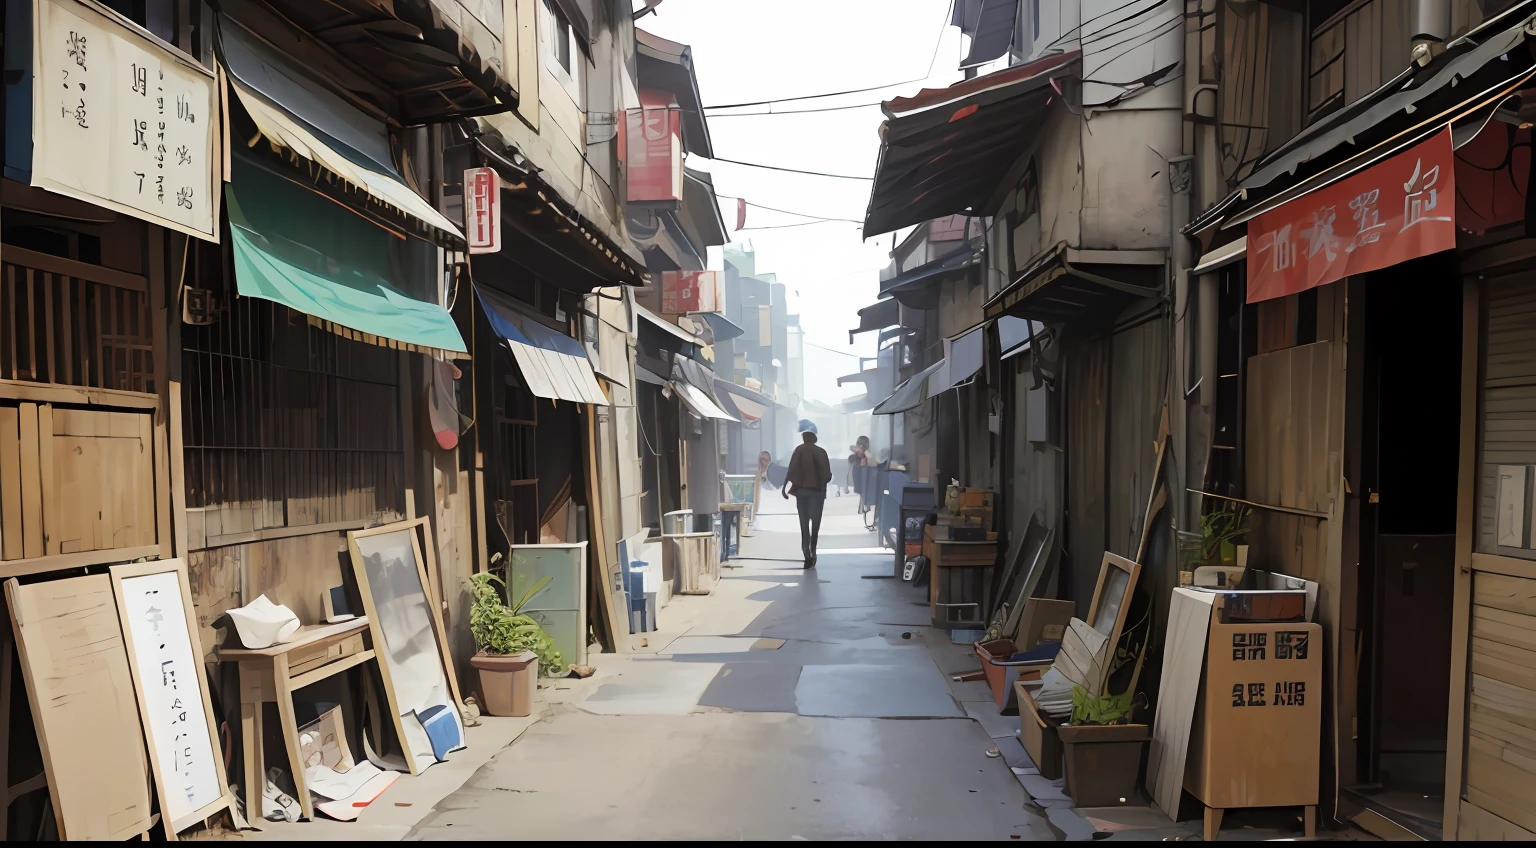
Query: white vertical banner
point(120, 121)
point(482, 210)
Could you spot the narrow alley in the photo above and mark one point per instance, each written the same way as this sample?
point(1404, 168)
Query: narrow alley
point(512, 420)
point(790, 704)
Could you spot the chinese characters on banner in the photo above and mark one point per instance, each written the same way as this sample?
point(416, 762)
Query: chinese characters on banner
point(164, 660)
point(1393, 211)
point(119, 121)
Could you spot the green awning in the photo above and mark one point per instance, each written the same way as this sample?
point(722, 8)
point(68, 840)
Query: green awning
point(295, 246)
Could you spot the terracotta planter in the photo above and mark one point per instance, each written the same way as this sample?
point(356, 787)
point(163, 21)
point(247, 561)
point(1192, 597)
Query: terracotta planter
point(507, 682)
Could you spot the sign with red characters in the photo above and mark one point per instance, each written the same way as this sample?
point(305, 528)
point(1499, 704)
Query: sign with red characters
point(1398, 209)
point(482, 210)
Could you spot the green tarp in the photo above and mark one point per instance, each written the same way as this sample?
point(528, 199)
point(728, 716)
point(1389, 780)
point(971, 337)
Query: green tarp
point(297, 247)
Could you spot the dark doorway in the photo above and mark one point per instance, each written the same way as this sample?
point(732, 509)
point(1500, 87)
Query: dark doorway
point(1409, 431)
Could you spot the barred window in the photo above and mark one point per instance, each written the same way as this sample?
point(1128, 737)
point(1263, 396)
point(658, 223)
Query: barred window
point(287, 425)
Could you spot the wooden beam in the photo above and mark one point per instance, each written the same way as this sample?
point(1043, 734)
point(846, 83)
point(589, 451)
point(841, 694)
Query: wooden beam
point(617, 626)
point(1466, 560)
point(71, 268)
point(53, 393)
point(42, 564)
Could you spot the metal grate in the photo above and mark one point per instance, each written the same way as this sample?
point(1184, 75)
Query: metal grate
point(72, 323)
point(286, 424)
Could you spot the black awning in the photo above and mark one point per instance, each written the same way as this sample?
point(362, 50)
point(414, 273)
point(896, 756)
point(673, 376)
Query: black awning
point(668, 65)
point(1475, 72)
point(1054, 290)
point(917, 288)
point(700, 212)
point(877, 316)
point(439, 59)
point(945, 151)
point(722, 327)
point(994, 32)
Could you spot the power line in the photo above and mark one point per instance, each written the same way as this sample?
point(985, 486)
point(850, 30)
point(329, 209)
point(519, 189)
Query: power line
point(791, 170)
point(948, 16)
point(800, 224)
point(787, 212)
point(834, 350)
point(770, 112)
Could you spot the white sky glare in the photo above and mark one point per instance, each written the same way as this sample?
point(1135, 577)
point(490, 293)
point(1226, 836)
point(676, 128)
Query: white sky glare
point(751, 50)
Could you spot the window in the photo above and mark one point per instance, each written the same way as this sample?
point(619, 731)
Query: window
point(560, 37)
point(286, 424)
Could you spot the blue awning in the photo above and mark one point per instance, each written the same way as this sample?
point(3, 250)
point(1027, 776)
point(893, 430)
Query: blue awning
point(553, 364)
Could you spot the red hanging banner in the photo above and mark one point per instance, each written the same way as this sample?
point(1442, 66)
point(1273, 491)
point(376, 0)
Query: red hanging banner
point(1398, 209)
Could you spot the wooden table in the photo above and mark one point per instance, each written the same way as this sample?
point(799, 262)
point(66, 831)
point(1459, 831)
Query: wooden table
point(943, 554)
point(316, 652)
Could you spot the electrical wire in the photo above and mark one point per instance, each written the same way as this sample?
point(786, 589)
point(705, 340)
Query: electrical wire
point(770, 112)
point(932, 62)
point(787, 212)
point(792, 170)
point(799, 224)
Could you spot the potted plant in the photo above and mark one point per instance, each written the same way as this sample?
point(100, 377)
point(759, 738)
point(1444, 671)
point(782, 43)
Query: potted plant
point(1101, 747)
point(508, 643)
point(1215, 549)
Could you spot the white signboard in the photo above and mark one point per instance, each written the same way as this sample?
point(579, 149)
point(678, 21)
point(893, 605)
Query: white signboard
point(164, 662)
point(482, 210)
point(120, 121)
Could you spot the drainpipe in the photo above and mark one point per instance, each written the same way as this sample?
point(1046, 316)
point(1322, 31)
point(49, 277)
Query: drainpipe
point(1432, 25)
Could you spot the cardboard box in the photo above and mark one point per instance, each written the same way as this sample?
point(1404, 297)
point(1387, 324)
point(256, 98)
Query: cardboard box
point(1043, 620)
point(1257, 730)
point(1037, 733)
point(963, 499)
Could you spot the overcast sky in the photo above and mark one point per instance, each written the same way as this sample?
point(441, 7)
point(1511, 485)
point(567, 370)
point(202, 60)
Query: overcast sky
point(752, 50)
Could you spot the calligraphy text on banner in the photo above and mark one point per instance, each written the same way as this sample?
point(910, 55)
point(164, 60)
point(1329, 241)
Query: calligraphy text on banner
point(120, 121)
point(1393, 211)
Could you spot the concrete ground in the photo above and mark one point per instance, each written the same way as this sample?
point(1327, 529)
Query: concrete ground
point(788, 704)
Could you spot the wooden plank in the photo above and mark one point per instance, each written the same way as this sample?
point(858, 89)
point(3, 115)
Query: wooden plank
point(1506, 627)
point(31, 485)
point(47, 334)
point(10, 484)
point(1498, 778)
point(615, 622)
point(1500, 807)
point(1189, 621)
point(160, 325)
point(178, 473)
point(38, 565)
point(41, 393)
point(1500, 591)
point(53, 504)
point(79, 684)
point(1461, 597)
point(71, 268)
point(1503, 670)
point(1510, 566)
point(426, 564)
point(1476, 824)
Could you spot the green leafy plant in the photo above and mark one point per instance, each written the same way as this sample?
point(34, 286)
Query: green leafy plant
point(505, 630)
point(1220, 527)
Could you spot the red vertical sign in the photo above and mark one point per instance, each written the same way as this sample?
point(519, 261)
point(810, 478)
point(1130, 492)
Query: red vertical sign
point(1398, 209)
point(482, 210)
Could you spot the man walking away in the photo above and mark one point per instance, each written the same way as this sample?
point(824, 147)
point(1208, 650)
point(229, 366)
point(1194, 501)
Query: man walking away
point(809, 473)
